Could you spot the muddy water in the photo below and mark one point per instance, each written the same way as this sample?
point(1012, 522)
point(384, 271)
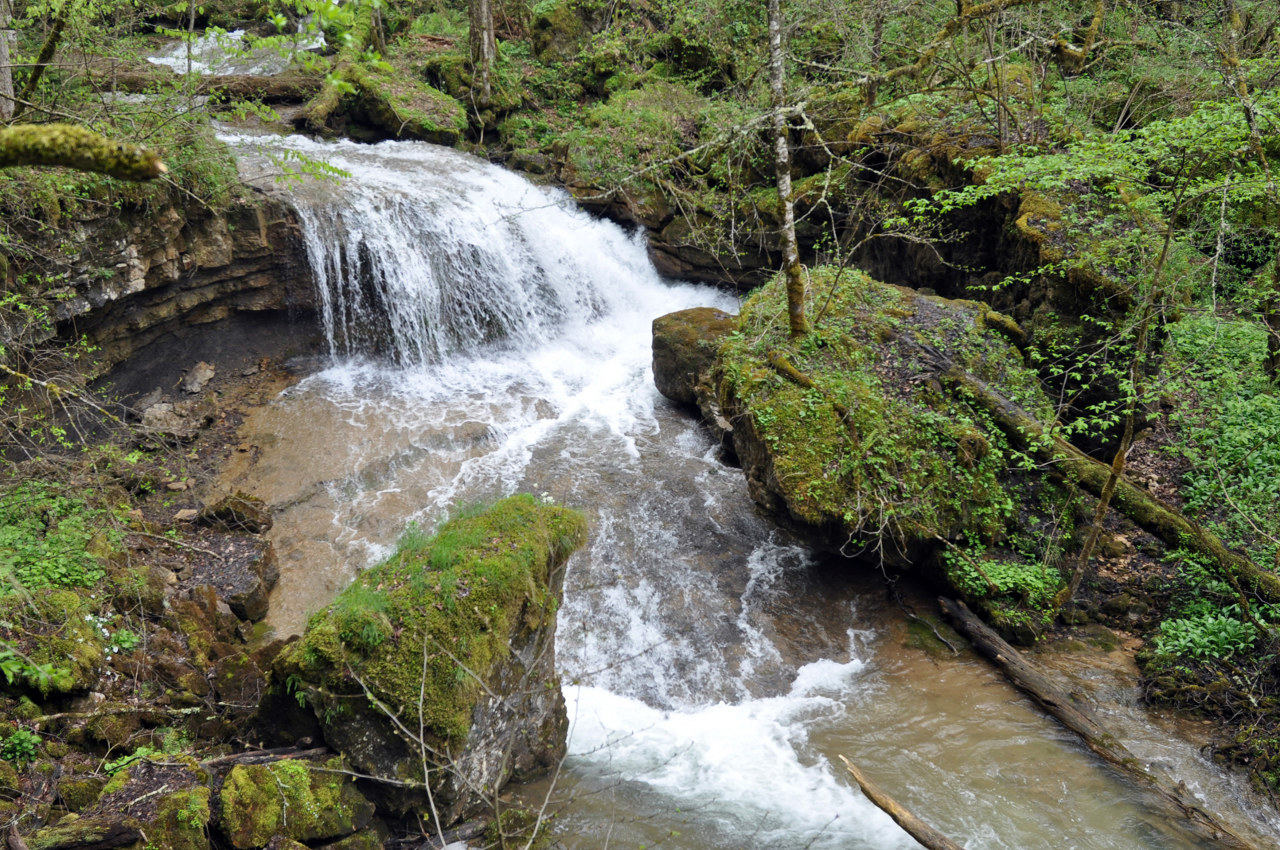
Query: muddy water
point(713, 668)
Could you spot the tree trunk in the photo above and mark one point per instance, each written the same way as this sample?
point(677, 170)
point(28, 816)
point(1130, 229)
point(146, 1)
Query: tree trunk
point(484, 48)
point(782, 167)
point(1173, 800)
point(6, 63)
point(902, 816)
point(46, 56)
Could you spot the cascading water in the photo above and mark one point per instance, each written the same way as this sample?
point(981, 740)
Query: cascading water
point(488, 337)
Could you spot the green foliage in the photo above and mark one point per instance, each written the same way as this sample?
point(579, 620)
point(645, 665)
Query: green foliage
point(1206, 636)
point(1020, 591)
point(20, 747)
point(1226, 413)
point(49, 538)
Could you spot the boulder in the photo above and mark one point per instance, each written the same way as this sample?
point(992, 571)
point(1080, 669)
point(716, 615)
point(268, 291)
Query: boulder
point(454, 635)
point(148, 803)
point(864, 435)
point(684, 350)
point(290, 800)
point(196, 379)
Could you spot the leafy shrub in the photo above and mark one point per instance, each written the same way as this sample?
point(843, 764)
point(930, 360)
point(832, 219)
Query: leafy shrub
point(47, 538)
point(20, 747)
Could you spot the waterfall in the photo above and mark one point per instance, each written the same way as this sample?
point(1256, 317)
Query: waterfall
point(423, 252)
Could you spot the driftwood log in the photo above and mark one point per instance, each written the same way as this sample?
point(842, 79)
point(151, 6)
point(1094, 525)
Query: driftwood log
point(916, 828)
point(1170, 798)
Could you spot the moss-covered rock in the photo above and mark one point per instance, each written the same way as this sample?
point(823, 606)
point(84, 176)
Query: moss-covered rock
point(684, 349)
point(860, 431)
point(560, 27)
point(293, 799)
point(60, 635)
point(406, 108)
point(150, 805)
point(454, 632)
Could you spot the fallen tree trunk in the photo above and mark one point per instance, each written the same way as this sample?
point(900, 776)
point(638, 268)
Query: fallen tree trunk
point(1133, 501)
point(916, 828)
point(1172, 799)
point(279, 88)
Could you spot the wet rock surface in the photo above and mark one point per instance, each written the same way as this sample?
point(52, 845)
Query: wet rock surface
point(684, 350)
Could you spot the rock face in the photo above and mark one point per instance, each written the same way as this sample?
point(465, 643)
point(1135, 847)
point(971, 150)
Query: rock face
point(175, 266)
point(684, 349)
point(453, 635)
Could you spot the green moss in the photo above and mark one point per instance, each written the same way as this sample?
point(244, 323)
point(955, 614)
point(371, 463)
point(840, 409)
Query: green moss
point(869, 446)
point(632, 128)
point(80, 792)
point(460, 595)
point(292, 799)
point(864, 434)
point(181, 821)
point(406, 108)
point(58, 631)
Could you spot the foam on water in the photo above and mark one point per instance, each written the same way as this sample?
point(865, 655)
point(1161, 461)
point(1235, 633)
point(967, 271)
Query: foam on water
point(744, 766)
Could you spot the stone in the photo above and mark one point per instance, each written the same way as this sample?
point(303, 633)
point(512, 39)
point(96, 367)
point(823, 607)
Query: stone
point(291, 799)
point(483, 591)
point(186, 515)
point(164, 421)
point(237, 512)
point(196, 379)
point(684, 350)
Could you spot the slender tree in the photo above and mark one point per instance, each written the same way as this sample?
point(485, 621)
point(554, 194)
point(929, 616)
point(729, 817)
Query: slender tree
point(6, 62)
point(484, 46)
point(799, 323)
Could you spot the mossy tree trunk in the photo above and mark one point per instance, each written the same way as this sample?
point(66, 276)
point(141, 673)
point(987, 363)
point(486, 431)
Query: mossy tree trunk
point(799, 323)
point(69, 146)
point(484, 47)
point(6, 62)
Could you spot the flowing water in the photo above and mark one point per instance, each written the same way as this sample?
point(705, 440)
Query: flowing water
point(486, 337)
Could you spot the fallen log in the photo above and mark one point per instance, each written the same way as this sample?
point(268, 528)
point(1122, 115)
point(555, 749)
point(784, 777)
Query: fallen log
point(1170, 798)
point(916, 828)
point(289, 87)
point(1133, 501)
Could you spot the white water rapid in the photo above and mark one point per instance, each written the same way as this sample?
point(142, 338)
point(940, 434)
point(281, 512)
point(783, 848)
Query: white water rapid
point(487, 337)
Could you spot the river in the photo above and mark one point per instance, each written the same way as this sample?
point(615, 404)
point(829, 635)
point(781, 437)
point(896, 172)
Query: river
point(487, 337)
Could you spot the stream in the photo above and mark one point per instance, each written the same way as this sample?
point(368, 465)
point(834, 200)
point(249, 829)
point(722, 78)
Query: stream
point(487, 337)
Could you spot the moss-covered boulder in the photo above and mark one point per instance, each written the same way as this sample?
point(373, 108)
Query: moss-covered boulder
point(148, 805)
point(560, 28)
point(402, 107)
point(290, 799)
point(684, 350)
point(452, 635)
point(60, 632)
point(862, 432)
